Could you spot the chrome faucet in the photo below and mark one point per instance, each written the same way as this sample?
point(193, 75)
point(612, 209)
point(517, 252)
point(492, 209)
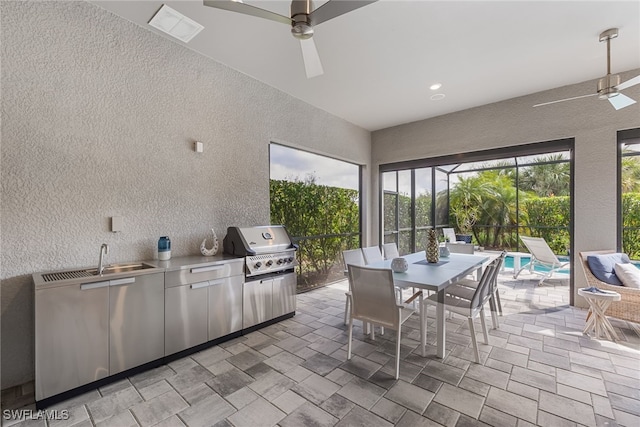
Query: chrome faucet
point(104, 250)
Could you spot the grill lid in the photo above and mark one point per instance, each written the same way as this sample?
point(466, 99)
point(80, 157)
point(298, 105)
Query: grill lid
point(248, 241)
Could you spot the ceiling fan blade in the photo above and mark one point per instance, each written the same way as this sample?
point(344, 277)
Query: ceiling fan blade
point(335, 8)
point(247, 9)
point(312, 64)
point(620, 101)
point(631, 82)
point(566, 99)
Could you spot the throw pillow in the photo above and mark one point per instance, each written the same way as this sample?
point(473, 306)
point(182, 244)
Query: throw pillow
point(628, 274)
point(603, 266)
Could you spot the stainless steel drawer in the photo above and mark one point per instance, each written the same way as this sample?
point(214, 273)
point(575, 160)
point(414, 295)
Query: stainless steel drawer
point(201, 273)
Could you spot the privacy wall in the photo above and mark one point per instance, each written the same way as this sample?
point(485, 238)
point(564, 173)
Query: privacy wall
point(99, 117)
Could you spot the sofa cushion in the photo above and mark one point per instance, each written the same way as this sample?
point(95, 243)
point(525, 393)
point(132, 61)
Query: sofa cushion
point(628, 274)
point(603, 266)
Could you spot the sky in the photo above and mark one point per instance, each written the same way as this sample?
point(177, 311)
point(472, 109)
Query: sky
point(290, 164)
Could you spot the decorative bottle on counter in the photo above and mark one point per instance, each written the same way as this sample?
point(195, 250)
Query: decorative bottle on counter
point(433, 249)
point(164, 248)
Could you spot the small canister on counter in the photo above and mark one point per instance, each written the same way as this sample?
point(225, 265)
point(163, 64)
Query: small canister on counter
point(164, 248)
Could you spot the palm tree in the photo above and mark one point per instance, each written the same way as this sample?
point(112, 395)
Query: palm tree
point(631, 174)
point(465, 201)
point(546, 178)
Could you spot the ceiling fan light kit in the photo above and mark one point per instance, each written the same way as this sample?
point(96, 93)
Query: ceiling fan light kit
point(302, 20)
point(609, 86)
point(300, 26)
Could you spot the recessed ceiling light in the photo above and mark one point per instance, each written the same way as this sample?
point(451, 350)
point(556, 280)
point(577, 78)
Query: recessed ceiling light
point(175, 24)
point(435, 86)
point(437, 97)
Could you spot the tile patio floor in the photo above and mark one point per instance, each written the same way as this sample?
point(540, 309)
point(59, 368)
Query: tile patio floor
point(538, 370)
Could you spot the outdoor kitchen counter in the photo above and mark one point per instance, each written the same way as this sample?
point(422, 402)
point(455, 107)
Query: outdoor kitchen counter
point(151, 266)
point(194, 261)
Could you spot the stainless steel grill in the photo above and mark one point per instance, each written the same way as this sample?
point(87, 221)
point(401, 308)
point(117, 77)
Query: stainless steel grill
point(266, 249)
point(269, 290)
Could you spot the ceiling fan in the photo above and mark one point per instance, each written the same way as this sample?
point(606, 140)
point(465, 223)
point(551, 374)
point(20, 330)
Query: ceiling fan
point(302, 20)
point(609, 86)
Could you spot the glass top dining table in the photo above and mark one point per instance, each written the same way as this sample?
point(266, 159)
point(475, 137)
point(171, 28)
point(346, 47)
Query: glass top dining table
point(436, 277)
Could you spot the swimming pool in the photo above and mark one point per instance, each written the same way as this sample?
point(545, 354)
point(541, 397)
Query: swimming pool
point(524, 260)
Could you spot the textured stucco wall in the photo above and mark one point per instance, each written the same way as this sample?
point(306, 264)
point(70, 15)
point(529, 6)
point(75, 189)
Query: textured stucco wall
point(592, 122)
point(98, 119)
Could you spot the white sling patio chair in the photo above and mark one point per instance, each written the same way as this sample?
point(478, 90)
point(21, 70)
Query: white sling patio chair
point(390, 251)
point(372, 254)
point(350, 257)
point(373, 300)
point(541, 254)
point(466, 288)
point(471, 308)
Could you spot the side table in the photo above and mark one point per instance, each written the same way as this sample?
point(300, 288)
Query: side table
point(599, 301)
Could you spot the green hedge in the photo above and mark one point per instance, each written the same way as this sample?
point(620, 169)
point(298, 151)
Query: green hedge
point(631, 224)
point(548, 217)
point(309, 209)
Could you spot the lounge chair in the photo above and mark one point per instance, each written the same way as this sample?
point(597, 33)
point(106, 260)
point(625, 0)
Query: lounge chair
point(541, 254)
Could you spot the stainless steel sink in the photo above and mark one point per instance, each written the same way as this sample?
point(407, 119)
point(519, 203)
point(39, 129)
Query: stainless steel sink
point(122, 268)
point(91, 272)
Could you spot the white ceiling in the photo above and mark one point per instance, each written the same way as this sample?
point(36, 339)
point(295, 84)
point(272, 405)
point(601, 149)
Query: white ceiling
point(380, 60)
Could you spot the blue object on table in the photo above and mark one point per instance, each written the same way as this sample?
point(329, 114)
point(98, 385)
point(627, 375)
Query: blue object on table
point(594, 290)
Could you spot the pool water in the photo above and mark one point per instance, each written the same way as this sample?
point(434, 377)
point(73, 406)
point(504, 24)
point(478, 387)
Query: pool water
point(524, 260)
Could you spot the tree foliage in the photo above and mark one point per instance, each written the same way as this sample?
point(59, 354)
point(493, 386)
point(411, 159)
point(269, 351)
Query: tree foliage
point(486, 204)
point(546, 179)
point(307, 209)
point(631, 224)
point(549, 218)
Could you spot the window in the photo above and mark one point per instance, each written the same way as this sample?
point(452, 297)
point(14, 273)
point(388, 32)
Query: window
point(492, 196)
point(629, 193)
point(317, 199)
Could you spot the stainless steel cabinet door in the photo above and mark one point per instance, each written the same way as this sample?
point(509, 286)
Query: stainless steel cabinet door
point(185, 317)
point(284, 294)
point(225, 306)
point(136, 310)
point(256, 302)
point(72, 337)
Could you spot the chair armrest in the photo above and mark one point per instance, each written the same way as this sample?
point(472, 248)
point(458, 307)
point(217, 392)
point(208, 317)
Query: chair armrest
point(413, 297)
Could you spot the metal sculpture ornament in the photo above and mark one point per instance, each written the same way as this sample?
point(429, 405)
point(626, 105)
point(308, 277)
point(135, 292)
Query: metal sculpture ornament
point(203, 246)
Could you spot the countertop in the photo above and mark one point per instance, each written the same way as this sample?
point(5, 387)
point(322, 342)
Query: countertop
point(174, 264)
point(182, 263)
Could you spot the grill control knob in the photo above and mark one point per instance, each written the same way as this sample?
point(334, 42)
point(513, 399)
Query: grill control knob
point(258, 264)
point(280, 261)
point(269, 263)
point(289, 259)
